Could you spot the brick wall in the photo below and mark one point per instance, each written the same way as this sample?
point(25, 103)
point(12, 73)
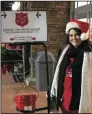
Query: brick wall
point(58, 14)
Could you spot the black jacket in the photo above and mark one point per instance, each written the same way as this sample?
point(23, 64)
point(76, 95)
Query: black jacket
point(76, 76)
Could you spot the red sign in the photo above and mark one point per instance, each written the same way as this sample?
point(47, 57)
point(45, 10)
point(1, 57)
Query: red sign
point(11, 39)
point(33, 38)
point(21, 19)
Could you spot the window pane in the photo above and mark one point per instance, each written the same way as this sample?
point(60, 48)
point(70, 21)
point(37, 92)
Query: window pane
point(82, 4)
point(76, 4)
point(89, 2)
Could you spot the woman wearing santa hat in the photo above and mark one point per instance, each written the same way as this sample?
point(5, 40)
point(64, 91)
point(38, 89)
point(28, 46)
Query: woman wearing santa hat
point(68, 91)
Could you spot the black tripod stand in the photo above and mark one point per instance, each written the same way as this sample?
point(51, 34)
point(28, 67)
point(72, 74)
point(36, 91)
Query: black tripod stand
point(48, 87)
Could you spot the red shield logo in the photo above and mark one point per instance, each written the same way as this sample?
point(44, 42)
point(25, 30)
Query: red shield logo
point(21, 19)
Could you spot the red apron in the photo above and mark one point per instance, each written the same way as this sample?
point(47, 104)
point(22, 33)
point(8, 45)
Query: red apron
point(67, 95)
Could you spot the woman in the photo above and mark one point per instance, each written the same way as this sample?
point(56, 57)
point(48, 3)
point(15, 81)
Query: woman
point(66, 86)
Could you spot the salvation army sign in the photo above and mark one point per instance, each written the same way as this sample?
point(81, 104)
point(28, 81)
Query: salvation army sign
point(21, 19)
point(24, 26)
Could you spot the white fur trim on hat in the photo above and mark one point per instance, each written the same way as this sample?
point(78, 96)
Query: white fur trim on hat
point(71, 25)
point(84, 36)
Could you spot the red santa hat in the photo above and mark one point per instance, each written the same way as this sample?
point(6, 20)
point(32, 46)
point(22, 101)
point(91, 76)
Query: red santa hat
point(83, 26)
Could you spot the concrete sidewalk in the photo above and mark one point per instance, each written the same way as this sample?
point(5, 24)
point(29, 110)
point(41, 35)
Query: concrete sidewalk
point(8, 93)
point(9, 88)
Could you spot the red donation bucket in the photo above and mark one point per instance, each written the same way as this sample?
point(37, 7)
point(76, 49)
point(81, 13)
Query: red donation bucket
point(25, 102)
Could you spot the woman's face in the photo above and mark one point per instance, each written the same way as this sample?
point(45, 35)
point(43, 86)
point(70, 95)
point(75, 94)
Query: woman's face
point(74, 38)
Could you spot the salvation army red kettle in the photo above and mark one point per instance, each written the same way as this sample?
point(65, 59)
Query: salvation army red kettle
point(24, 100)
